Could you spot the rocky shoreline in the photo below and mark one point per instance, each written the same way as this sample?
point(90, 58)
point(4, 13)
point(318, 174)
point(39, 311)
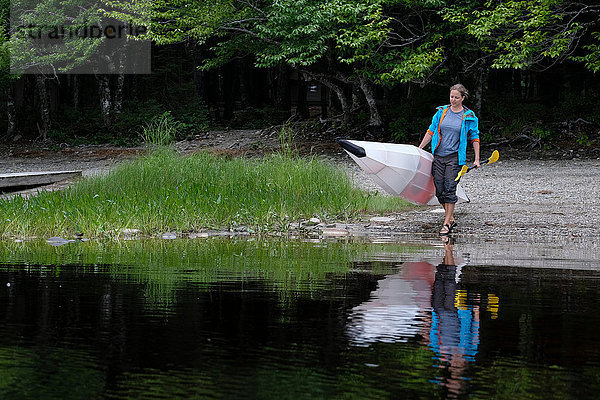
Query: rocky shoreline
point(516, 200)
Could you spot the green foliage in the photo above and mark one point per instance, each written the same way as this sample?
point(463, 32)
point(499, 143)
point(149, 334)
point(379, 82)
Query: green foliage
point(415, 65)
point(161, 130)
point(511, 116)
point(521, 34)
point(6, 78)
point(583, 140)
point(388, 42)
point(592, 58)
point(295, 32)
point(543, 133)
point(192, 118)
point(553, 122)
point(33, 20)
point(305, 33)
point(286, 140)
point(398, 129)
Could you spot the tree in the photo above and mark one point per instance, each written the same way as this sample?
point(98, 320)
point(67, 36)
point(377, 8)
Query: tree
point(340, 43)
point(52, 37)
point(531, 34)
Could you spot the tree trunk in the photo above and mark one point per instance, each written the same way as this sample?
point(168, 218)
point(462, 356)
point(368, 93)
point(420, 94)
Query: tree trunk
point(339, 91)
point(302, 106)
point(11, 114)
point(228, 99)
point(119, 95)
point(324, 101)
point(356, 97)
point(199, 75)
point(517, 84)
point(44, 106)
point(481, 79)
point(375, 119)
point(282, 101)
point(242, 73)
point(75, 89)
point(105, 98)
point(217, 93)
point(409, 91)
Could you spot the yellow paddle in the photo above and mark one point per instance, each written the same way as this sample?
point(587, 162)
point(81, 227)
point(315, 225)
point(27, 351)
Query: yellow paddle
point(494, 157)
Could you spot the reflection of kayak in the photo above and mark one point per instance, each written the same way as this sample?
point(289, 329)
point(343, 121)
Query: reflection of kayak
point(390, 315)
point(400, 169)
point(396, 310)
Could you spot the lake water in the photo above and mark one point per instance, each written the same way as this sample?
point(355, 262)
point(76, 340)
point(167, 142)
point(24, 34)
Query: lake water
point(251, 319)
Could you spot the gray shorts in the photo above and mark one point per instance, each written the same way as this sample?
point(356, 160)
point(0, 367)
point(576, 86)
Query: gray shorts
point(444, 170)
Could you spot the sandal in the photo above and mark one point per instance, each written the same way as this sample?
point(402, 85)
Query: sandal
point(445, 230)
point(452, 225)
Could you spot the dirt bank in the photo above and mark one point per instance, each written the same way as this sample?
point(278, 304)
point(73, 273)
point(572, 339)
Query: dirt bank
point(515, 199)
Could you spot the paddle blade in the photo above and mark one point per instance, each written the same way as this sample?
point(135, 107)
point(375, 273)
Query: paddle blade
point(463, 171)
point(495, 156)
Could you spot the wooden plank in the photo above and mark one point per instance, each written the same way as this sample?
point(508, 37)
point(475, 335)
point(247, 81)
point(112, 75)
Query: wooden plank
point(35, 178)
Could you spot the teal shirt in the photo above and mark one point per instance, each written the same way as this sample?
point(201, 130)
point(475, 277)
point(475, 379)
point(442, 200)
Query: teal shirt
point(469, 131)
point(450, 133)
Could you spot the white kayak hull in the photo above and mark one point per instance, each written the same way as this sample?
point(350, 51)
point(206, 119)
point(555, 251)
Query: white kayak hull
point(401, 170)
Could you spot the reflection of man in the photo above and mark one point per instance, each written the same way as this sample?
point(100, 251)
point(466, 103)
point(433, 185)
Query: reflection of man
point(454, 334)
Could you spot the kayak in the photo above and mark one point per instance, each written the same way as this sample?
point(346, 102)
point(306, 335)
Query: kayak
point(402, 170)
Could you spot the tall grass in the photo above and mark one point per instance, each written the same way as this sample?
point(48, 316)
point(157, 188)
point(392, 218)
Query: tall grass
point(167, 192)
point(161, 131)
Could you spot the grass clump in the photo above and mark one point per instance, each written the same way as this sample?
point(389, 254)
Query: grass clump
point(161, 131)
point(167, 192)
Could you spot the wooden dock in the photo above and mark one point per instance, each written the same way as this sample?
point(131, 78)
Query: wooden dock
point(33, 179)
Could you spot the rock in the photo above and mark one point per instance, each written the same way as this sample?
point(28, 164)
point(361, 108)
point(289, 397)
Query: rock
point(312, 222)
point(437, 211)
point(335, 232)
point(382, 219)
point(58, 241)
point(168, 236)
point(198, 235)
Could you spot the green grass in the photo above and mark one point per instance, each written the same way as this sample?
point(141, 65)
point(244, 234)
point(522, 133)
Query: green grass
point(166, 192)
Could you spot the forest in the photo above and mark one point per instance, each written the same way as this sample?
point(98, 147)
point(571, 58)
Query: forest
point(365, 68)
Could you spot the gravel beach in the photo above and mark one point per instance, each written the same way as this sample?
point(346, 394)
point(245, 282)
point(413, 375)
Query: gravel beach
point(540, 199)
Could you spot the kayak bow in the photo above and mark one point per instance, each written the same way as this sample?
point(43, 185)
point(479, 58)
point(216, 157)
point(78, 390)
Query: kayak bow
point(400, 169)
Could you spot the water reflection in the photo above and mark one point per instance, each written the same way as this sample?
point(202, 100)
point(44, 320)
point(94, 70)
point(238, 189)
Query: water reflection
point(454, 335)
point(424, 301)
point(256, 320)
point(397, 310)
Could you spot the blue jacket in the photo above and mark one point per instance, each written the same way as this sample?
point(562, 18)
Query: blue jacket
point(469, 131)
